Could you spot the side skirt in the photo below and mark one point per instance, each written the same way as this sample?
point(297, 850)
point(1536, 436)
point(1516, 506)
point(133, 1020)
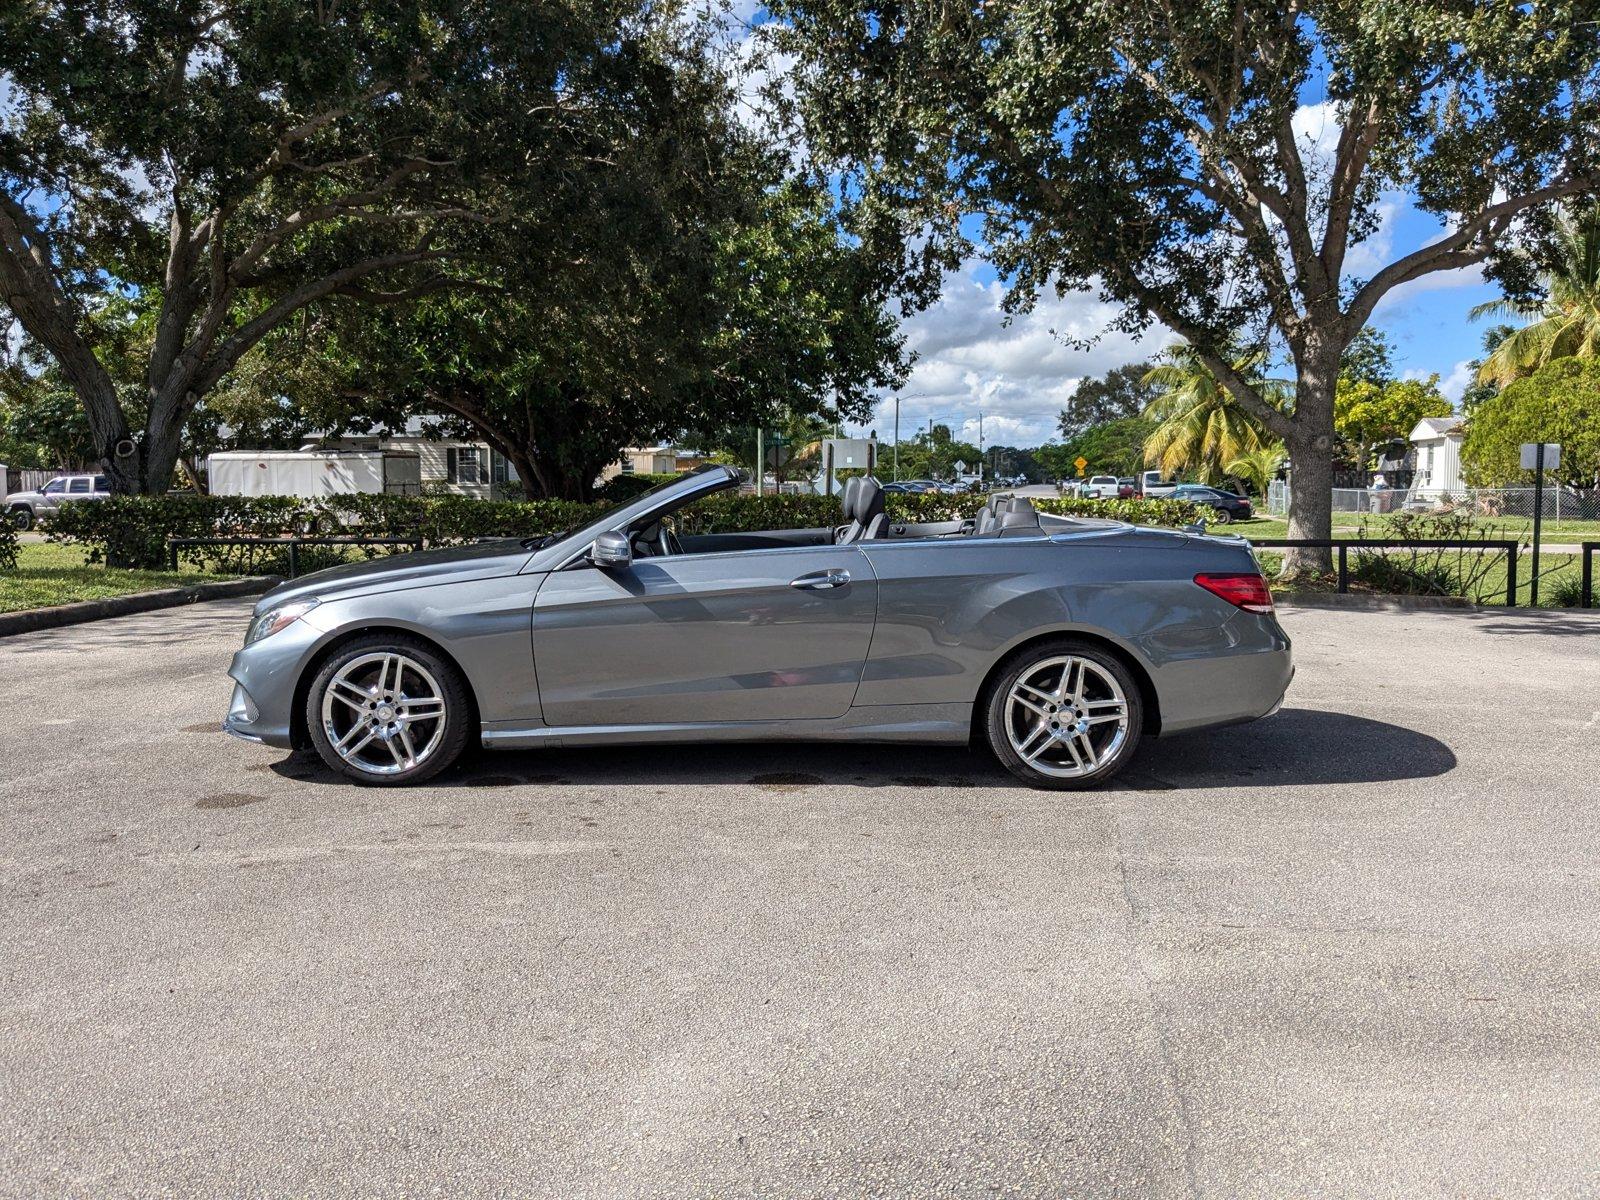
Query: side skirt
point(944, 724)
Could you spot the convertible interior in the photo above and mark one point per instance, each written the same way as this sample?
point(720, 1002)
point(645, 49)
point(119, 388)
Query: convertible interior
point(865, 518)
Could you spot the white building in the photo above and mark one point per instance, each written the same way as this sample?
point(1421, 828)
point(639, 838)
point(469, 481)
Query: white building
point(1437, 441)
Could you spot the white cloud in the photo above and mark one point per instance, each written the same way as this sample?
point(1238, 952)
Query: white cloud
point(1316, 130)
point(1018, 375)
point(1457, 382)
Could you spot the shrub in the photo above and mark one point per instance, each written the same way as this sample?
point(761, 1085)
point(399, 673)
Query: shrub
point(132, 531)
point(8, 546)
point(620, 488)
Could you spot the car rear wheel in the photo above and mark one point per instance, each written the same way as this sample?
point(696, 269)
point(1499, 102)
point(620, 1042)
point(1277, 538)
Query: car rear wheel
point(387, 710)
point(1224, 517)
point(22, 518)
point(1064, 714)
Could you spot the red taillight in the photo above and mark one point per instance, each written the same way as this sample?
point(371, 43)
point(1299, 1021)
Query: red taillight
point(1246, 591)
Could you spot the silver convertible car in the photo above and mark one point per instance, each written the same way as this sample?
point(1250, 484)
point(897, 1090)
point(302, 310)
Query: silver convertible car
point(1058, 642)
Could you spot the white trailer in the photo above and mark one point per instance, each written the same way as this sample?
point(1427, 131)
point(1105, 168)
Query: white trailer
point(314, 474)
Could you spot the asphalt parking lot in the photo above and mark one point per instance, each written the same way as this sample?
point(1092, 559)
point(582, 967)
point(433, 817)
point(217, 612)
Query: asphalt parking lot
point(1351, 950)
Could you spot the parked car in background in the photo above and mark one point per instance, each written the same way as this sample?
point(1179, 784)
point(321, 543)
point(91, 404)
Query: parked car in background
point(1100, 487)
point(1227, 506)
point(1127, 487)
point(1059, 643)
point(1153, 487)
point(27, 509)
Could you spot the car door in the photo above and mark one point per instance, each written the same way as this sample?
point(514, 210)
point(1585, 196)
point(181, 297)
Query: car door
point(753, 635)
point(50, 495)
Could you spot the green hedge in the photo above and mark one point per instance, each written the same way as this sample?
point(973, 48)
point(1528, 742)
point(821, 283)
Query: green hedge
point(132, 531)
point(8, 545)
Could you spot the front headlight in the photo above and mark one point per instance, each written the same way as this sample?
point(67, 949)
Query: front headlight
point(274, 619)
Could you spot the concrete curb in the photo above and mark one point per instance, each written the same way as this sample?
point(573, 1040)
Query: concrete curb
point(33, 619)
point(1375, 603)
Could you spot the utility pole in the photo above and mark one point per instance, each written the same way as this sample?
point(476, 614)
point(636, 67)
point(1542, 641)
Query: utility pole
point(761, 462)
point(897, 437)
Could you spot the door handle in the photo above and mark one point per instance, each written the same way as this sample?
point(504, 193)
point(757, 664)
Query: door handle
point(822, 580)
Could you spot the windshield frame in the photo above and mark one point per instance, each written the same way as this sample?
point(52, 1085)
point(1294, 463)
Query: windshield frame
point(664, 498)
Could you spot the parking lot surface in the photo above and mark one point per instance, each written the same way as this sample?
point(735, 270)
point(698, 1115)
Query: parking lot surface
point(1350, 950)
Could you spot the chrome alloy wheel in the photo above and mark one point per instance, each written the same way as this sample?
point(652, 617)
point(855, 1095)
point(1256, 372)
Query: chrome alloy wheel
point(1066, 716)
point(383, 713)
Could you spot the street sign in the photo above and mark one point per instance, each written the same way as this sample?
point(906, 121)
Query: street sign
point(961, 466)
point(1530, 456)
point(1080, 462)
point(1539, 458)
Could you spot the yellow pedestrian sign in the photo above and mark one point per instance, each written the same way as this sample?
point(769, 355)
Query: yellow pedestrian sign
point(1081, 463)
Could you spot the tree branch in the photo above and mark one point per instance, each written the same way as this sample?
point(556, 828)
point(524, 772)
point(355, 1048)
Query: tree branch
point(1456, 249)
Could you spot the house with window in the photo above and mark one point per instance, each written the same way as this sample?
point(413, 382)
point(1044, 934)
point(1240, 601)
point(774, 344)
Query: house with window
point(1436, 444)
point(654, 460)
point(455, 466)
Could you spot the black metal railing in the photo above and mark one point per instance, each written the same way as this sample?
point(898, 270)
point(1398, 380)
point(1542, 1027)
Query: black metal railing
point(293, 544)
point(1586, 570)
point(1343, 547)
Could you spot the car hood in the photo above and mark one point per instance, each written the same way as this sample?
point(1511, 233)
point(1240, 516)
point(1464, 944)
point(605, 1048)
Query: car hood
point(397, 572)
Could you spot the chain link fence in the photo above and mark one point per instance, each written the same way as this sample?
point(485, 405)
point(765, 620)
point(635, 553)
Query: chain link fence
point(1557, 503)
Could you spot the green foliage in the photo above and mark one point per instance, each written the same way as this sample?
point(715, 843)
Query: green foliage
point(1198, 426)
point(1557, 403)
point(1368, 414)
point(1118, 394)
point(1566, 323)
point(1154, 155)
point(625, 487)
point(1423, 571)
point(1114, 448)
point(132, 531)
point(932, 454)
point(8, 546)
point(1258, 468)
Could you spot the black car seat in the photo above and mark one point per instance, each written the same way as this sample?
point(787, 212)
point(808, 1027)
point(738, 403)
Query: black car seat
point(847, 507)
point(864, 505)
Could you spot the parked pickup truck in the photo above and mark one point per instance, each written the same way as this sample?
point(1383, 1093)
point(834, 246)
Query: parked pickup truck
point(1153, 487)
point(27, 509)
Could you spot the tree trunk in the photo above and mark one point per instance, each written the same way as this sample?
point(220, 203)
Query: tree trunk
point(1311, 474)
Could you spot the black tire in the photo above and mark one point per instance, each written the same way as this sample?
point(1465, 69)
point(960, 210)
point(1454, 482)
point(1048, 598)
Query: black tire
point(460, 718)
point(1039, 657)
point(1224, 517)
point(22, 518)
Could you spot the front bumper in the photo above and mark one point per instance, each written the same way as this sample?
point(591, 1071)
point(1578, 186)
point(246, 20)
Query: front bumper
point(265, 676)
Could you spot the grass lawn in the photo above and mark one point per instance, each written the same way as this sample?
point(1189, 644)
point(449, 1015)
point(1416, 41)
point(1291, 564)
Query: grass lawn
point(1346, 525)
point(48, 575)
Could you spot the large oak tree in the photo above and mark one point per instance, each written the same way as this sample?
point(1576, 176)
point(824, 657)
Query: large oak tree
point(1157, 152)
point(232, 165)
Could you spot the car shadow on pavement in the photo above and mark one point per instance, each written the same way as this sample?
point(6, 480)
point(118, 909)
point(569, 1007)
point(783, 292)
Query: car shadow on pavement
point(1297, 746)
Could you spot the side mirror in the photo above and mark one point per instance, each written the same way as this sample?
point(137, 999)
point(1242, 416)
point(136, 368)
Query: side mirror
point(612, 550)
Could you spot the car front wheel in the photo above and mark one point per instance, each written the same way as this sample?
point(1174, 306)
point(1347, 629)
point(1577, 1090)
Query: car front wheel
point(22, 518)
point(1064, 714)
point(388, 710)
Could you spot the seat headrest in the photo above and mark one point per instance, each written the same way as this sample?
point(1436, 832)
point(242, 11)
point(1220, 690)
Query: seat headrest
point(847, 497)
point(869, 499)
point(1019, 514)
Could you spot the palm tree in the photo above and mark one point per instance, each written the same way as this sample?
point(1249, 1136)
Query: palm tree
point(1564, 325)
point(1258, 468)
point(1199, 428)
